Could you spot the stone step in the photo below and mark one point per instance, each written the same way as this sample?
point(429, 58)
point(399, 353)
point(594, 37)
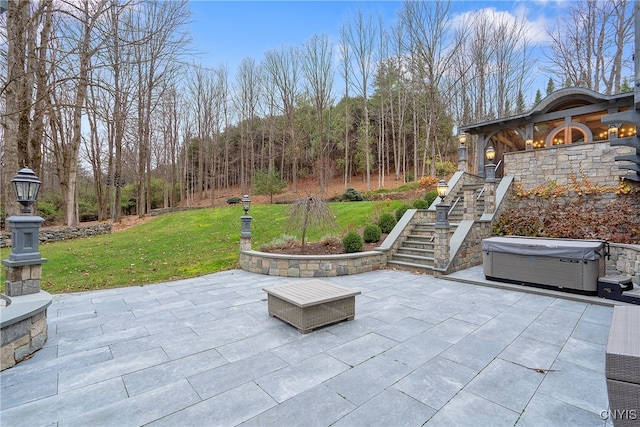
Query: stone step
point(416, 259)
point(405, 250)
point(421, 237)
point(402, 265)
point(418, 243)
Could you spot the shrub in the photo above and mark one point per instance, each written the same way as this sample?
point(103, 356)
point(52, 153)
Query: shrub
point(234, 200)
point(352, 242)
point(430, 196)
point(572, 219)
point(386, 222)
point(372, 233)
point(420, 204)
point(445, 168)
point(87, 211)
point(401, 210)
point(281, 242)
point(352, 195)
point(48, 211)
point(428, 181)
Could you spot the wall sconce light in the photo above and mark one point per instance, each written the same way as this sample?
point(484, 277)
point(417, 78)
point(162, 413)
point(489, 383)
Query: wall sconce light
point(462, 138)
point(613, 132)
point(528, 144)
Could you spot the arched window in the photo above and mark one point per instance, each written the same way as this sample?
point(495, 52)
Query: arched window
point(570, 134)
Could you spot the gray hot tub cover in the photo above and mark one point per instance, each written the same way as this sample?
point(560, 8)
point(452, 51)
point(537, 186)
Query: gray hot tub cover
point(559, 248)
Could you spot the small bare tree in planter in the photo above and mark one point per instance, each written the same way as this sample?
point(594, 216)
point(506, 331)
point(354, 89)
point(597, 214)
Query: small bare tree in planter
point(310, 211)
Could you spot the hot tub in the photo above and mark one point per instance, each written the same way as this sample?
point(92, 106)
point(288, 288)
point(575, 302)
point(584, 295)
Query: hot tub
point(563, 263)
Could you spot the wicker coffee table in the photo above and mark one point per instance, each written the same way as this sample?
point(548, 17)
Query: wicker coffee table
point(311, 304)
point(622, 366)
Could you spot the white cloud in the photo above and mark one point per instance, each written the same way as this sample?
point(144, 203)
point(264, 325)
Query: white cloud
point(519, 13)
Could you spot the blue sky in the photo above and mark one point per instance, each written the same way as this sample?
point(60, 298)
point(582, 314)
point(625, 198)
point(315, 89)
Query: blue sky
point(225, 32)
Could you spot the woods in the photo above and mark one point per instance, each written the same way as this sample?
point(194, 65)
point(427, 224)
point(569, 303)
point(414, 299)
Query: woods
point(106, 102)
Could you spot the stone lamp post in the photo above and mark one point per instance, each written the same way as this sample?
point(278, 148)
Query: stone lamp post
point(441, 246)
point(245, 232)
point(490, 168)
point(462, 152)
point(24, 266)
point(24, 319)
point(442, 208)
point(490, 181)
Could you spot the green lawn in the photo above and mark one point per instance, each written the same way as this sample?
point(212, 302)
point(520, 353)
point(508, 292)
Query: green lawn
point(179, 245)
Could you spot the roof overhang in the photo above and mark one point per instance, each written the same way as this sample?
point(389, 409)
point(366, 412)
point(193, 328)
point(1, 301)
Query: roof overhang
point(563, 99)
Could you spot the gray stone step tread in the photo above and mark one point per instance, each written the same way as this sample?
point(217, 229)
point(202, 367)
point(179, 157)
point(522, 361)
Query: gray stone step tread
point(410, 264)
point(406, 248)
point(417, 242)
point(420, 236)
point(413, 257)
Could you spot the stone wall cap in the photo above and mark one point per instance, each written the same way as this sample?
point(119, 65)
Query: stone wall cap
point(22, 307)
point(310, 257)
point(20, 263)
point(26, 219)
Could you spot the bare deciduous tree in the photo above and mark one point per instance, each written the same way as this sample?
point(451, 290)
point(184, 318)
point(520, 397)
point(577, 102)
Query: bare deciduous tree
point(587, 46)
point(283, 67)
point(28, 31)
point(361, 36)
point(319, 74)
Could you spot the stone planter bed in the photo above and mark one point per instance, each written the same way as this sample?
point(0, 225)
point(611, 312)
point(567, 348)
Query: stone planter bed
point(287, 265)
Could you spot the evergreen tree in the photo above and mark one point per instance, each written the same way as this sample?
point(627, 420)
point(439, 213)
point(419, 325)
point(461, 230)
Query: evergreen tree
point(625, 86)
point(520, 107)
point(269, 183)
point(551, 87)
point(538, 97)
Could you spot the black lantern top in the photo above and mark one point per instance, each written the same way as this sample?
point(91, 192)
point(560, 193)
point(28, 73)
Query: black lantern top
point(246, 203)
point(26, 185)
point(442, 188)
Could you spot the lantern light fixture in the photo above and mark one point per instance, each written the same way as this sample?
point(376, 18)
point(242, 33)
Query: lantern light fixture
point(26, 185)
point(490, 152)
point(246, 203)
point(442, 188)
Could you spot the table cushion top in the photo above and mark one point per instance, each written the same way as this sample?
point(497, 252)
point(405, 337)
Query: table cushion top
point(310, 292)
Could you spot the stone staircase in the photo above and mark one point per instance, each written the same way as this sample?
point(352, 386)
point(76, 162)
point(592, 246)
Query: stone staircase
point(416, 252)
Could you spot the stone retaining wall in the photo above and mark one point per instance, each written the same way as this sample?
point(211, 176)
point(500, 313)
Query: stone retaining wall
point(596, 160)
point(470, 252)
point(54, 234)
point(311, 265)
point(23, 338)
point(160, 211)
point(626, 260)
